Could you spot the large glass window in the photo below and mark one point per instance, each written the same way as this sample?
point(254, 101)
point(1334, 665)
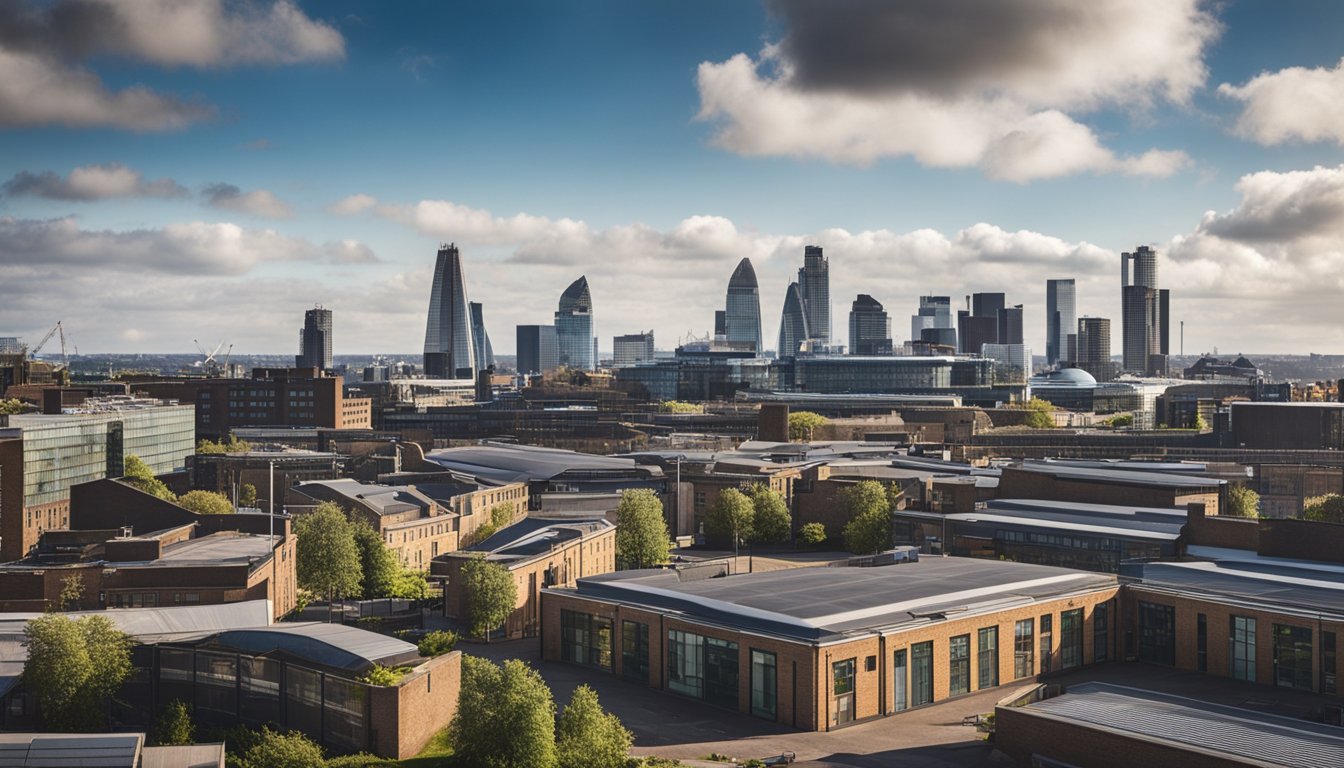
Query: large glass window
point(921, 673)
point(259, 680)
point(1243, 648)
point(1328, 668)
point(721, 672)
point(635, 650)
point(344, 724)
point(1071, 638)
point(1201, 642)
point(842, 676)
point(1024, 645)
point(900, 670)
point(217, 683)
point(764, 691)
point(685, 663)
point(1101, 633)
point(1292, 656)
point(959, 664)
point(585, 639)
point(1157, 633)
point(987, 659)
point(303, 693)
point(1047, 642)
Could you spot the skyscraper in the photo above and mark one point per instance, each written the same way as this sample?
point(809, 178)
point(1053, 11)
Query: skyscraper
point(793, 330)
point(1061, 308)
point(481, 348)
point(536, 349)
point(631, 349)
point(315, 340)
point(814, 287)
point(448, 334)
point(869, 327)
point(1093, 348)
point(1144, 308)
point(935, 316)
point(742, 316)
point(1010, 324)
point(574, 327)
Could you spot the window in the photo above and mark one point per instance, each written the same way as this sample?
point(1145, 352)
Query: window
point(685, 663)
point(1201, 642)
point(1071, 638)
point(900, 669)
point(987, 660)
point(1101, 633)
point(1328, 668)
point(1024, 644)
point(1292, 656)
point(1243, 648)
point(1047, 641)
point(635, 650)
point(585, 639)
point(721, 672)
point(1157, 633)
point(842, 675)
point(959, 665)
point(763, 684)
point(921, 673)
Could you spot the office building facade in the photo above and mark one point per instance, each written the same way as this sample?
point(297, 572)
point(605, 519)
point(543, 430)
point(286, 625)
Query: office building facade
point(576, 347)
point(537, 349)
point(742, 315)
point(1144, 314)
point(793, 329)
point(869, 327)
point(315, 340)
point(481, 348)
point(449, 340)
point(934, 315)
point(1061, 307)
point(1093, 348)
point(1010, 325)
point(814, 285)
point(631, 349)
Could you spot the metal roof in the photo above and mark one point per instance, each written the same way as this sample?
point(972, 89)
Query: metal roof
point(184, 756)
point(533, 536)
point(378, 498)
point(224, 548)
point(1062, 524)
point(819, 604)
point(1122, 521)
point(507, 463)
point(1284, 587)
point(1121, 476)
point(65, 750)
point(1198, 725)
point(330, 645)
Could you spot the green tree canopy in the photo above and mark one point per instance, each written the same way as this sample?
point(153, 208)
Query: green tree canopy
point(437, 643)
point(802, 423)
point(11, 407)
point(677, 406)
point(138, 474)
point(1039, 413)
point(378, 564)
point(491, 595)
point(328, 557)
point(641, 532)
point(1242, 502)
point(247, 495)
point(500, 516)
point(505, 716)
point(205, 503)
point(811, 534)
point(869, 511)
point(72, 593)
point(230, 445)
point(1324, 509)
point(731, 516)
point(73, 667)
point(771, 522)
point(589, 737)
point(278, 749)
point(174, 726)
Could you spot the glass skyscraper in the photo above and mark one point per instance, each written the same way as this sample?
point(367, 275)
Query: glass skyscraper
point(869, 327)
point(1061, 309)
point(315, 340)
point(574, 327)
point(1144, 308)
point(449, 352)
point(742, 318)
point(814, 287)
point(792, 323)
point(481, 348)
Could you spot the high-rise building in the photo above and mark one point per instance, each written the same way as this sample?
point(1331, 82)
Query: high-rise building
point(1010, 324)
point(315, 340)
point(720, 324)
point(742, 316)
point(1012, 362)
point(869, 327)
point(1093, 348)
point(1145, 328)
point(537, 349)
point(793, 330)
point(987, 304)
point(814, 286)
point(449, 352)
point(1061, 308)
point(935, 314)
point(574, 327)
point(632, 348)
point(481, 348)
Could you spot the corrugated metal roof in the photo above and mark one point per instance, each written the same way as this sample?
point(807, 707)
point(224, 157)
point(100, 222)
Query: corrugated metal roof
point(1122, 476)
point(1199, 725)
point(330, 645)
point(187, 756)
point(502, 462)
point(1281, 586)
point(81, 750)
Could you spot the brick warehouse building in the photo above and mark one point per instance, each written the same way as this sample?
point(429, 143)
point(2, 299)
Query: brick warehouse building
point(818, 648)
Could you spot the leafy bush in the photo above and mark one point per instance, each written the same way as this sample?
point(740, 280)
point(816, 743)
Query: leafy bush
point(811, 534)
point(437, 643)
point(383, 676)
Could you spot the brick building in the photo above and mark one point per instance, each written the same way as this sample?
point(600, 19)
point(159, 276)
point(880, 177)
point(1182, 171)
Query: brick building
point(1068, 482)
point(1289, 426)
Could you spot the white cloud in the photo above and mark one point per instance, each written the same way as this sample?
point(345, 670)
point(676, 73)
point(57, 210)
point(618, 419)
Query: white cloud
point(257, 202)
point(352, 205)
point(91, 182)
point(987, 86)
point(1291, 104)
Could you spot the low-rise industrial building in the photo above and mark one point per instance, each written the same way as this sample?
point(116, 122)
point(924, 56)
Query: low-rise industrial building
point(1063, 481)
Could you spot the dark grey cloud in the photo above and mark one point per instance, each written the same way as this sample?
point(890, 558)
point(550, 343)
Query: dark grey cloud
point(258, 202)
point(89, 183)
point(1284, 207)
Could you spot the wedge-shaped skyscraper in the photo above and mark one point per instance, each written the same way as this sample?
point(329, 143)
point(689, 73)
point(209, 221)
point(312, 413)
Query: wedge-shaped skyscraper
point(792, 323)
point(742, 319)
point(481, 348)
point(449, 352)
point(574, 327)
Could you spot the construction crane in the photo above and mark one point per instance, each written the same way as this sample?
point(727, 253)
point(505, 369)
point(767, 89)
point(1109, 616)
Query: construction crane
point(32, 353)
point(209, 364)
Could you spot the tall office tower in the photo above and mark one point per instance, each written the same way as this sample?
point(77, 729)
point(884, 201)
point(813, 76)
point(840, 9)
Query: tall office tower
point(1093, 348)
point(574, 327)
point(632, 348)
point(448, 334)
point(793, 330)
point(814, 286)
point(1144, 307)
point(481, 347)
point(315, 340)
point(869, 327)
point(987, 304)
point(742, 318)
point(720, 324)
point(935, 315)
point(1010, 325)
point(537, 349)
point(1061, 307)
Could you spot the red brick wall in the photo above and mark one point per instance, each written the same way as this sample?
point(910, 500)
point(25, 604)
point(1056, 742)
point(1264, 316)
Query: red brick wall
point(405, 717)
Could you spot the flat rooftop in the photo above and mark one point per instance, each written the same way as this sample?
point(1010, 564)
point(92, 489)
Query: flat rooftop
point(1121, 476)
point(1315, 590)
point(1211, 729)
point(824, 604)
point(507, 463)
point(381, 499)
point(533, 536)
point(226, 548)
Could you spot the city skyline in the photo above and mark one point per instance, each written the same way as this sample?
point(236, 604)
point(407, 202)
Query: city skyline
point(217, 190)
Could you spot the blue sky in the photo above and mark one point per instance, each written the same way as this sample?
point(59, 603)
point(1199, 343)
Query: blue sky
point(179, 177)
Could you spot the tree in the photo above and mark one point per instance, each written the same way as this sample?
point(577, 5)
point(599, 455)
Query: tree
point(11, 407)
point(138, 474)
point(1242, 502)
point(641, 532)
point(802, 423)
point(231, 445)
point(383, 676)
point(771, 522)
point(677, 406)
point(811, 534)
point(279, 749)
point(328, 558)
point(500, 516)
point(378, 565)
point(491, 594)
point(869, 528)
point(205, 503)
point(73, 666)
point(247, 495)
point(1324, 509)
point(1040, 413)
point(731, 517)
point(505, 716)
point(1123, 420)
point(72, 593)
point(588, 737)
point(437, 643)
point(174, 726)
